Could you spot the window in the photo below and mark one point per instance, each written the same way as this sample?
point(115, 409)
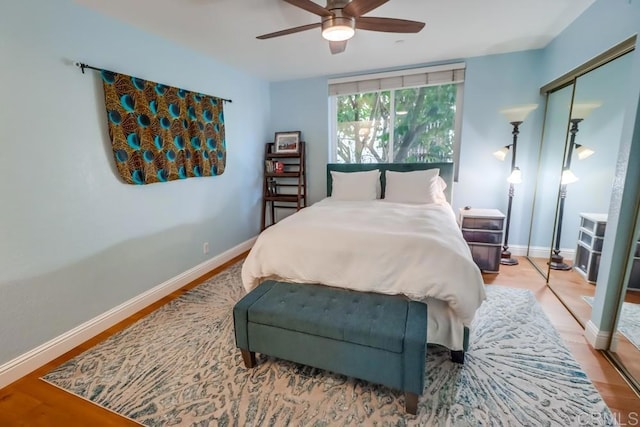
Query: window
point(408, 116)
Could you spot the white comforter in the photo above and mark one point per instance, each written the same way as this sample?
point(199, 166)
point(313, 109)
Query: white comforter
point(377, 246)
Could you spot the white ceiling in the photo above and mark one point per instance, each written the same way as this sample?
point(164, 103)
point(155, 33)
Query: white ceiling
point(227, 29)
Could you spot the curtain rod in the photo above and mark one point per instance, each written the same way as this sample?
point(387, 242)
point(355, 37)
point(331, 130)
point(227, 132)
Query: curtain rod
point(82, 66)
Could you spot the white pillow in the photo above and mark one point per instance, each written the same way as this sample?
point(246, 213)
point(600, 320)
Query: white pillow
point(424, 186)
point(438, 191)
point(355, 186)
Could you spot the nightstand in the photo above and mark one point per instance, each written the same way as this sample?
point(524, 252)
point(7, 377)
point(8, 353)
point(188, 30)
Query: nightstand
point(483, 230)
point(589, 248)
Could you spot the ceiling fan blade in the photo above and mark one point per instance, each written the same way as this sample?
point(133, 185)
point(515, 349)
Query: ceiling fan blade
point(388, 25)
point(337, 47)
point(310, 6)
point(289, 31)
point(359, 7)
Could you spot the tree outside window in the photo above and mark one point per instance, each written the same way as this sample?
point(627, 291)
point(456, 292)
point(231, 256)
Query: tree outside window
point(402, 125)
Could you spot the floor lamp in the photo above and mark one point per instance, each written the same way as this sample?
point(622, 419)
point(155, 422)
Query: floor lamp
point(516, 116)
point(578, 114)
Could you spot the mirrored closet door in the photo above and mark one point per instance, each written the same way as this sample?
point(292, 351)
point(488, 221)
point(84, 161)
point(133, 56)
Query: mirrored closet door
point(578, 154)
point(545, 200)
point(587, 171)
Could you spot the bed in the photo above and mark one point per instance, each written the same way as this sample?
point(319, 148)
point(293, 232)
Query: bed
point(379, 245)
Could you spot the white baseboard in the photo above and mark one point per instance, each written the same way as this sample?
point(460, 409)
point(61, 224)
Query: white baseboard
point(598, 339)
point(540, 252)
point(518, 250)
point(37, 357)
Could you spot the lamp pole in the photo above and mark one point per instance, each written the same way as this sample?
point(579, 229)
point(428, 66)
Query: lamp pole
point(557, 260)
point(515, 115)
point(505, 257)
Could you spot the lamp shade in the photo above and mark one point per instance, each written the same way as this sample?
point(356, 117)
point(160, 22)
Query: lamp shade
point(580, 110)
point(568, 177)
point(519, 112)
point(501, 153)
point(583, 152)
point(515, 177)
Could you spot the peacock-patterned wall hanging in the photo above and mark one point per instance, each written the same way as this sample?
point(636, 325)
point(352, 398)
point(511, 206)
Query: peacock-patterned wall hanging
point(161, 133)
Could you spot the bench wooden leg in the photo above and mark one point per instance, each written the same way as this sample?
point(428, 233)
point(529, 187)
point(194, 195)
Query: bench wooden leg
point(411, 403)
point(249, 358)
point(457, 356)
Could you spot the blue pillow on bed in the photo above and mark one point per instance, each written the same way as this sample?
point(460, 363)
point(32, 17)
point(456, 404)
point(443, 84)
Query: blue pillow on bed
point(355, 186)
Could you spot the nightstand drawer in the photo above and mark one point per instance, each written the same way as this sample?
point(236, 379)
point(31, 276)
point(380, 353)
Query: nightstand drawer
point(595, 243)
point(483, 223)
point(594, 223)
point(486, 257)
point(589, 245)
point(587, 263)
point(482, 236)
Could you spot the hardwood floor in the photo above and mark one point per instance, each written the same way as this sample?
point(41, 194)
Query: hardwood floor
point(32, 402)
point(570, 287)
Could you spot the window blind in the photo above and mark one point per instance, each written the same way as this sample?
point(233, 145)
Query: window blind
point(428, 76)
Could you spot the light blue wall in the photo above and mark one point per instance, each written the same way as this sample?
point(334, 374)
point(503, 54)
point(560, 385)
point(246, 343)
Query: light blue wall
point(491, 84)
point(600, 27)
point(303, 104)
point(74, 240)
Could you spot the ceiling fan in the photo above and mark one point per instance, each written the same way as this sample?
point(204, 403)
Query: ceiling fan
point(340, 19)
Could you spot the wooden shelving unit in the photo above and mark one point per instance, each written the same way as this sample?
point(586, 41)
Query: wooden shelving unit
point(286, 189)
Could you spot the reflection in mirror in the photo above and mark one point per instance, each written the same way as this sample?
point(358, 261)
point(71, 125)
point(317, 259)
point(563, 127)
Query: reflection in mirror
point(597, 115)
point(579, 112)
point(549, 170)
point(625, 346)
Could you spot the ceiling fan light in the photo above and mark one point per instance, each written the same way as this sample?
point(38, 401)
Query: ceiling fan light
point(338, 29)
point(338, 33)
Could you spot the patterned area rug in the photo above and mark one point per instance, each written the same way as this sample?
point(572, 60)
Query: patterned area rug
point(179, 366)
point(629, 323)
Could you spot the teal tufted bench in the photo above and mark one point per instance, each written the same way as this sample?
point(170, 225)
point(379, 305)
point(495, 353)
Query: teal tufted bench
point(374, 337)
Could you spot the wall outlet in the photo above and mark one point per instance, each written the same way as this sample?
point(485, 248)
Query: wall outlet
point(205, 248)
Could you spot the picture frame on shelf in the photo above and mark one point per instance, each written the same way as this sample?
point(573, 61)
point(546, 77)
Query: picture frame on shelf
point(287, 142)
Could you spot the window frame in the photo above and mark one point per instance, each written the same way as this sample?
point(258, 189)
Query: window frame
point(391, 81)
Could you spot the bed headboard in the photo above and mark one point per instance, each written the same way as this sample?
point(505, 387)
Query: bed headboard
point(446, 172)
